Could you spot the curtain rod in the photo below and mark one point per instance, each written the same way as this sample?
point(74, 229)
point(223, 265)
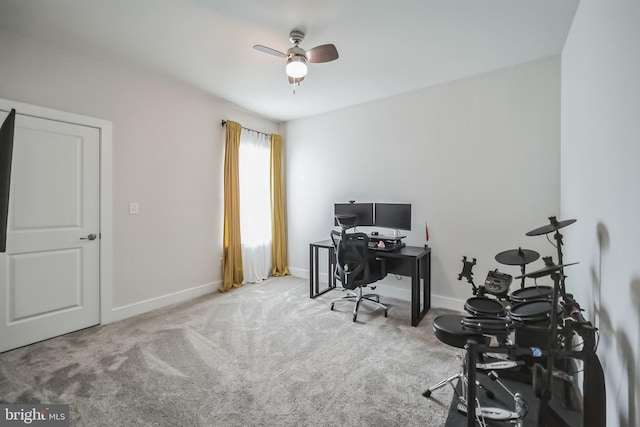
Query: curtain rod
point(224, 122)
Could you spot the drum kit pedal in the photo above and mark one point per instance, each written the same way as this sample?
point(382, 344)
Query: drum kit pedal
point(531, 326)
point(500, 414)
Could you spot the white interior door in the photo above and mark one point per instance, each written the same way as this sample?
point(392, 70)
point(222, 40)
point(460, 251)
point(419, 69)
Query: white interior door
point(49, 276)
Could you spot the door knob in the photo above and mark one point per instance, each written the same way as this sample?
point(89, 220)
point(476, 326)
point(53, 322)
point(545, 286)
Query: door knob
point(89, 237)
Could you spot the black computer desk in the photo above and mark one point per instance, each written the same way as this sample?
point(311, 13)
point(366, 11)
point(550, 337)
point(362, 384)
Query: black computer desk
point(410, 261)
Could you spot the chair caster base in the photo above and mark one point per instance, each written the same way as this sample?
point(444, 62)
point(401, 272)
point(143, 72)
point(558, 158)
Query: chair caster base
point(358, 299)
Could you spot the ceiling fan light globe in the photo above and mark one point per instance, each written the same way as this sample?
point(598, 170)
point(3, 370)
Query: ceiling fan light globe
point(296, 67)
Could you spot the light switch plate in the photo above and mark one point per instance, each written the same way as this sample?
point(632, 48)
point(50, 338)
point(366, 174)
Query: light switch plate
point(134, 208)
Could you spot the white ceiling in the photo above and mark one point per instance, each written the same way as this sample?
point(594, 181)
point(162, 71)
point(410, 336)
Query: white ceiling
point(386, 47)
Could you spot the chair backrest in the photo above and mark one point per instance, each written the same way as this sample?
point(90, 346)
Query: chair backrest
point(352, 259)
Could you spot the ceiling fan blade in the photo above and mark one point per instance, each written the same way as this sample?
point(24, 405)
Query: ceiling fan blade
point(293, 80)
point(322, 53)
point(269, 51)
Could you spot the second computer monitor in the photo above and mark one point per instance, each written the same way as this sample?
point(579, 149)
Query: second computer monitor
point(393, 215)
point(364, 212)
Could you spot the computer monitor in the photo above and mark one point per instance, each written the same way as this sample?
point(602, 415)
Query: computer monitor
point(393, 215)
point(364, 212)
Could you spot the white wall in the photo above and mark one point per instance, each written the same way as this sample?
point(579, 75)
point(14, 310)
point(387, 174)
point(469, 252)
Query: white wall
point(478, 158)
point(600, 180)
point(168, 150)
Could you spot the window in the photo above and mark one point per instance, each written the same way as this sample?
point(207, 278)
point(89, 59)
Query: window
point(255, 204)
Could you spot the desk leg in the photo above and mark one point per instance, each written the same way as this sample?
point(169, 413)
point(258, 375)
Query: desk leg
point(313, 271)
point(420, 283)
point(331, 263)
point(316, 271)
point(425, 269)
point(415, 293)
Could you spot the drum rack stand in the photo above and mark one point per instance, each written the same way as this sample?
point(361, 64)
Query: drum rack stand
point(542, 378)
point(558, 350)
point(473, 349)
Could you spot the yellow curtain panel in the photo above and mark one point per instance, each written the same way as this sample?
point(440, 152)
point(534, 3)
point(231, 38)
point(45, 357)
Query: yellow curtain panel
point(279, 236)
point(231, 249)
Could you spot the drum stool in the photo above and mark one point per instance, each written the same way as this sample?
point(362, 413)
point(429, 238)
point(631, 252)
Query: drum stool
point(448, 329)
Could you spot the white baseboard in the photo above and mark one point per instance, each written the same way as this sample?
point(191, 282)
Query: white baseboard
point(438, 301)
point(304, 274)
point(145, 306)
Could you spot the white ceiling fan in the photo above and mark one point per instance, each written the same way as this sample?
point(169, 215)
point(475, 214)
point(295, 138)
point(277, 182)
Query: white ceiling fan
point(297, 57)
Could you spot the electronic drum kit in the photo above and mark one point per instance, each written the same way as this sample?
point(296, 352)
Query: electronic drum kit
point(527, 324)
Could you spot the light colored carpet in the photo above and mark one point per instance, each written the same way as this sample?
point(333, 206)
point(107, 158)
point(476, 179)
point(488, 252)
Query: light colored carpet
point(261, 355)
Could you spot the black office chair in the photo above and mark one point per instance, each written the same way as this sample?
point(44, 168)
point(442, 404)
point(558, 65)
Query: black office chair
point(356, 268)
